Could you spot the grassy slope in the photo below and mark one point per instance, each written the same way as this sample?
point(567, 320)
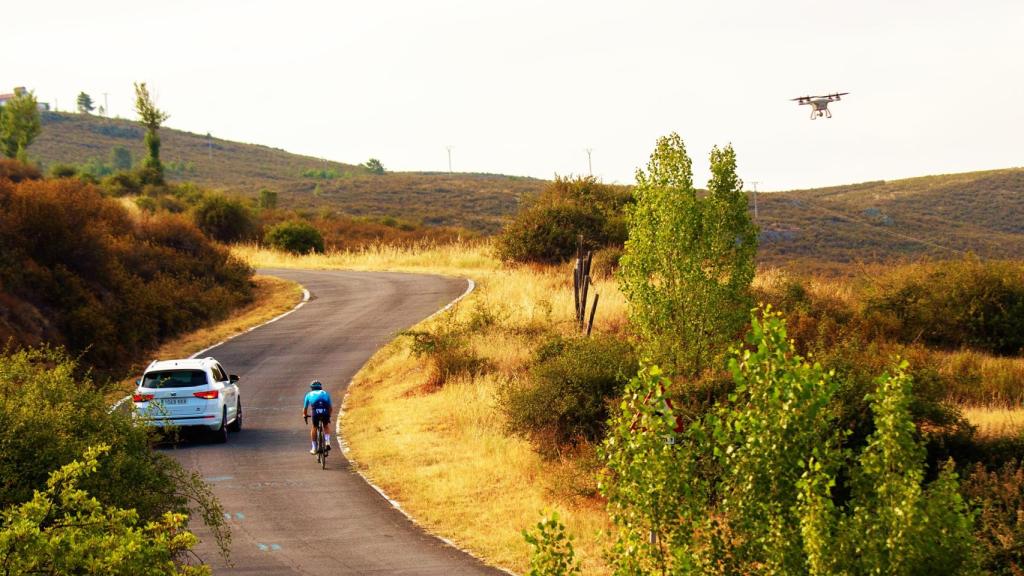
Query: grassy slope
point(476, 201)
point(937, 216)
point(873, 221)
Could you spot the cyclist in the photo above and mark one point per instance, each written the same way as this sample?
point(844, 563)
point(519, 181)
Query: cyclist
point(318, 401)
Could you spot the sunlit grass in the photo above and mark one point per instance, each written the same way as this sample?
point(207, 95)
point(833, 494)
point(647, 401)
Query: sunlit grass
point(996, 421)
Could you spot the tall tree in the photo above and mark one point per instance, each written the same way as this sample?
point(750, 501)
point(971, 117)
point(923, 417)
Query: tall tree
point(85, 105)
point(19, 125)
point(151, 117)
point(689, 259)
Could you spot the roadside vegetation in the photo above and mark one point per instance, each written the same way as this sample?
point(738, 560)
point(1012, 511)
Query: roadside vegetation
point(502, 401)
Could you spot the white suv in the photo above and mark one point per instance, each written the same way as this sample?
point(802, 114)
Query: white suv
point(195, 393)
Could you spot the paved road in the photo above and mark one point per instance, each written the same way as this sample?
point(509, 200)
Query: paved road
point(287, 515)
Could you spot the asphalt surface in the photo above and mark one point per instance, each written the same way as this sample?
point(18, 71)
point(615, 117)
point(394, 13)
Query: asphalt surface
point(288, 516)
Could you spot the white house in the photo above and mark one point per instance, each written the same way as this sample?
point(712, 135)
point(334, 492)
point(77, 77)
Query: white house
point(18, 91)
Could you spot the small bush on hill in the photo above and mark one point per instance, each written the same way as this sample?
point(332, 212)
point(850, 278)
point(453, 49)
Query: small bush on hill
point(570, 385)
point(224, 219)
point(296, 236)
point(122, 184)
point(545, 230)
point(63, 171)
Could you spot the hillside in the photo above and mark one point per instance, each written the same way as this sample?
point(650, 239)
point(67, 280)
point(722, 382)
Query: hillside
point(475, 201)
point(937, 216)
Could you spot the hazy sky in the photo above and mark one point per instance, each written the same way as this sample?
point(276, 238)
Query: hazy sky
point(524, 87)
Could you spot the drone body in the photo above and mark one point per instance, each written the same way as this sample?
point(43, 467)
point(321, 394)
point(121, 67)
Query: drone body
point(819, 104)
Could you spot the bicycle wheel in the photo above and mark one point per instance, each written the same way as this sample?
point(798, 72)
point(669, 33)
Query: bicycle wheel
point(323, 448)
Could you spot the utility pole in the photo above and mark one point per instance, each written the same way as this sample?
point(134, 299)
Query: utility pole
point(755, 198)
point(590, 165)
point(449, 147)
point(106, 108)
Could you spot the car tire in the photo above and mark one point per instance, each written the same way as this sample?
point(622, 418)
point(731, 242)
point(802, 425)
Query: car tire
point(236, 426)
point(220, 435)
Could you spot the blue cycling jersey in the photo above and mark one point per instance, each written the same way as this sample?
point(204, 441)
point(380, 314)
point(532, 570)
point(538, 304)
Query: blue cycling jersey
point(315, 396)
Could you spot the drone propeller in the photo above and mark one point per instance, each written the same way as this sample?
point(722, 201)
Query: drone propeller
point(800, 99)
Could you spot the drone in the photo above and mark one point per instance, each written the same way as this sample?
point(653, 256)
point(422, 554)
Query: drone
point(820, 103)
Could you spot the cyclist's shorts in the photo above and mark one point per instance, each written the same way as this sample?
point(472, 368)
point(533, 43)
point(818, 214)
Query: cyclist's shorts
point(324, 417)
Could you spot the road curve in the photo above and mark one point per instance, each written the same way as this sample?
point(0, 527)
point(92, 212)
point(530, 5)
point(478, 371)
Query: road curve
point(288, 516)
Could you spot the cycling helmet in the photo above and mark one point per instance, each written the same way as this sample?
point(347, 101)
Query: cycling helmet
point(316, 385)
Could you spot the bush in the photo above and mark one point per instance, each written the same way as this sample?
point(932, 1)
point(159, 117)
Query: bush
point(296, 236)
point(122, 184)
point(446, 348)
point(224, 219)
point(606, 262)
point(63, 171)
point(762, 483)
point(545, 230)
point(569, 386)
point(104, 285)
point(48, 419)
point(16, 171)
point(954, 304)
point(999, 498)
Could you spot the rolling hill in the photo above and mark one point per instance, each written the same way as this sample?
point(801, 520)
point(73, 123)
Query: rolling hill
point(474, 201)
point(934, 216)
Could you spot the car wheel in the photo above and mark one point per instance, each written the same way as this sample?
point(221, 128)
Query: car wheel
point(220, 436)
point(236, 426)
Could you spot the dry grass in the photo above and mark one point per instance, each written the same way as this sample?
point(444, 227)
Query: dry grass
point(271, 297)
point(445, 455)
point(996, 421)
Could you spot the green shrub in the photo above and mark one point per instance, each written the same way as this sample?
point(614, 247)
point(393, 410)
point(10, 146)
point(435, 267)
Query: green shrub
point(953, 304)
point(64, 530)
point(566, 396)
point(545, 230)
point(605, 262)
point(146, 204)
point(296, 236)
point(762, 484)
point(63, 171)
point(48, 418)
point(224, 219)
point(447, 350)
point(122, 184)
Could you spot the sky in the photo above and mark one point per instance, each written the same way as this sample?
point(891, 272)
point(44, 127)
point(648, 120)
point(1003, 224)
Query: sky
point(526, 87)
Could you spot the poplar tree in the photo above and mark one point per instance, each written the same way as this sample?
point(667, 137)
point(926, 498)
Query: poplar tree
point(151, 117)
point(689, 258)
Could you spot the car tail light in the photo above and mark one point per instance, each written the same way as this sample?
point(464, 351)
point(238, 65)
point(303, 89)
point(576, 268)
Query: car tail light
point(208, 395)
point(141, 397)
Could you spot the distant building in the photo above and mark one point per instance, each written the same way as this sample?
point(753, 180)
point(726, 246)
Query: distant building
point(18, 91)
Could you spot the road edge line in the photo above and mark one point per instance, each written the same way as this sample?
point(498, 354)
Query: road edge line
point(471, 285)
point(305, 298)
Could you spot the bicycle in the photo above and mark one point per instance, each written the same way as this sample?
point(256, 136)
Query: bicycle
point(322, 449)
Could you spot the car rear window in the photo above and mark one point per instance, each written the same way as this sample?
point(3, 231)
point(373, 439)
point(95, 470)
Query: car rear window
point(174, 379)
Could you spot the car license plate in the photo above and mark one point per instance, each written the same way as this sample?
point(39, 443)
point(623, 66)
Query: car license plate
point(173, 400)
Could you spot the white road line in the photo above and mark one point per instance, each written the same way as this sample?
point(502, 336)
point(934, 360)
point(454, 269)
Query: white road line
point(471, 285)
